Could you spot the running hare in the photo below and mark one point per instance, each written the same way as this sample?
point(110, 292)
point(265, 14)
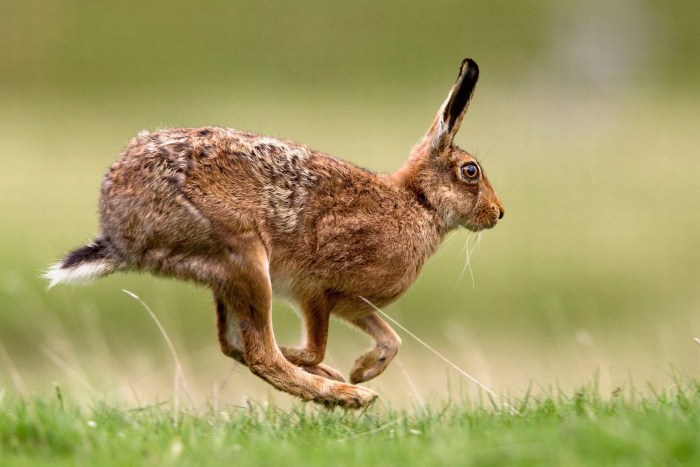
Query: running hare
point(249, 216)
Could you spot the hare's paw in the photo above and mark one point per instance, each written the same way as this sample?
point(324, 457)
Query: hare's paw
point(324, 371)
point(372, 363)
point(349, 397)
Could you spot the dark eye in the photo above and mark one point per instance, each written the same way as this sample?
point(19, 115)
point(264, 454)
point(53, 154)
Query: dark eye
point(470, 171)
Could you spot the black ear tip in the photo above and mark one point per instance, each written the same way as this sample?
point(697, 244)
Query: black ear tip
point(469, 66)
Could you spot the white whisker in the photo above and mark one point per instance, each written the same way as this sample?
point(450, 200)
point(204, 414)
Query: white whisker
point(469, 247)
point(469, 258)
point(459, 279)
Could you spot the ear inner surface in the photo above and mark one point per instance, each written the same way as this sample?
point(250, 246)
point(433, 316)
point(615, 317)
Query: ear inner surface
point(461, 95)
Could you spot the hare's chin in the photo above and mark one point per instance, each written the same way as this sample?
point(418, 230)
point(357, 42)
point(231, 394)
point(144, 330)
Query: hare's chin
point(478, 227)
point(474, 227)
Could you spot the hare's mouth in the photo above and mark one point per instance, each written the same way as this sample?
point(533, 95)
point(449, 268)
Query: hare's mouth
point(479, 228)
point(482, 224)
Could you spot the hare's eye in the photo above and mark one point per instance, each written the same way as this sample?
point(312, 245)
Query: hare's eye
point(470, 171)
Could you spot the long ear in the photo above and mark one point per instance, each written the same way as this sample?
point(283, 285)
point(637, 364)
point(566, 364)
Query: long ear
point(450, 115)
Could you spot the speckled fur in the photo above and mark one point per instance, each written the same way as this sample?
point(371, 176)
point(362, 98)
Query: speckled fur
point(246, 215)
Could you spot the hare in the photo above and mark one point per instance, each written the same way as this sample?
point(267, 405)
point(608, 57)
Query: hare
point(249, 216)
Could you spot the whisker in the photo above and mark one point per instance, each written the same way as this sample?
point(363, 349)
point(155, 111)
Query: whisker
point(461, 274)
point(470, 247)
point(469, 258)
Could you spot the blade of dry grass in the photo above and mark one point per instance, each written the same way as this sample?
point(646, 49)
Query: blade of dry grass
point(179, 377)
point(488, 390)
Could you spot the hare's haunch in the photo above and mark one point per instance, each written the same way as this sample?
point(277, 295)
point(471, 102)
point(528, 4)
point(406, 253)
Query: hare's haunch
point(249, 216)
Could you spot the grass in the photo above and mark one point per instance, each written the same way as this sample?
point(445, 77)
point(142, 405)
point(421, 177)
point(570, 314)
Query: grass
point(578, 428)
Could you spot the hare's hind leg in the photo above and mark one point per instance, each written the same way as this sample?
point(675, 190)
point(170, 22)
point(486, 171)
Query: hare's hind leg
point(386, 345)
point(247, 296)
point(228, 332)
point(232, 346)
point(315, 314)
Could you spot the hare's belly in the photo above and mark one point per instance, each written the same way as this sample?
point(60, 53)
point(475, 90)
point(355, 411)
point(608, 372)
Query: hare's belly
point(351, 257)
point(379, 282)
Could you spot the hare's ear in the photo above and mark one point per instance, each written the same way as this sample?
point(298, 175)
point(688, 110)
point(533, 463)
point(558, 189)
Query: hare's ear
point(450, 115)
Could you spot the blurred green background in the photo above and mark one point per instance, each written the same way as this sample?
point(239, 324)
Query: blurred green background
point(586, 119)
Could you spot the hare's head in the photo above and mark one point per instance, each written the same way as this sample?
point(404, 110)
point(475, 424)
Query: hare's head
point(450, 179)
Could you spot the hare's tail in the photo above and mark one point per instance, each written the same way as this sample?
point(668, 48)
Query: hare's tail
point(83, 264)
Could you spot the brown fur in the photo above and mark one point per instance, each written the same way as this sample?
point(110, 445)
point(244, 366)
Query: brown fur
point(246, 215)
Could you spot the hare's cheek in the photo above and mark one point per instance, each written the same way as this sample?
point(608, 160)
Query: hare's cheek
point(480, 215)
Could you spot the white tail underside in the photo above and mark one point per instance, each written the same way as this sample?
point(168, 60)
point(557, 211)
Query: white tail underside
point(78, 274)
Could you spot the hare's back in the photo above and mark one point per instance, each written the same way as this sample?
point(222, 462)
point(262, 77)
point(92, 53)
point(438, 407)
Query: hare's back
point(179, 187)
point(144, 210)
point(250, 181)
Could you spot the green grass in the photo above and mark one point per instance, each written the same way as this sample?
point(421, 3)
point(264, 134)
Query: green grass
point(578, 428)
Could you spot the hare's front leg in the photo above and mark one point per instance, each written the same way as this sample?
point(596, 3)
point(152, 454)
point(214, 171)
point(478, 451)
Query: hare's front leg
point(247, 299)
point(386, 345)
point(315, 315)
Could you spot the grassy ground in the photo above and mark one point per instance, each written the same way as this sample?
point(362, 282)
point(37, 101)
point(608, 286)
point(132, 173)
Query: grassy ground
point(579, 428)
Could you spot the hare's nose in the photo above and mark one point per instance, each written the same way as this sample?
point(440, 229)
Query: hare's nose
point(497, 207)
